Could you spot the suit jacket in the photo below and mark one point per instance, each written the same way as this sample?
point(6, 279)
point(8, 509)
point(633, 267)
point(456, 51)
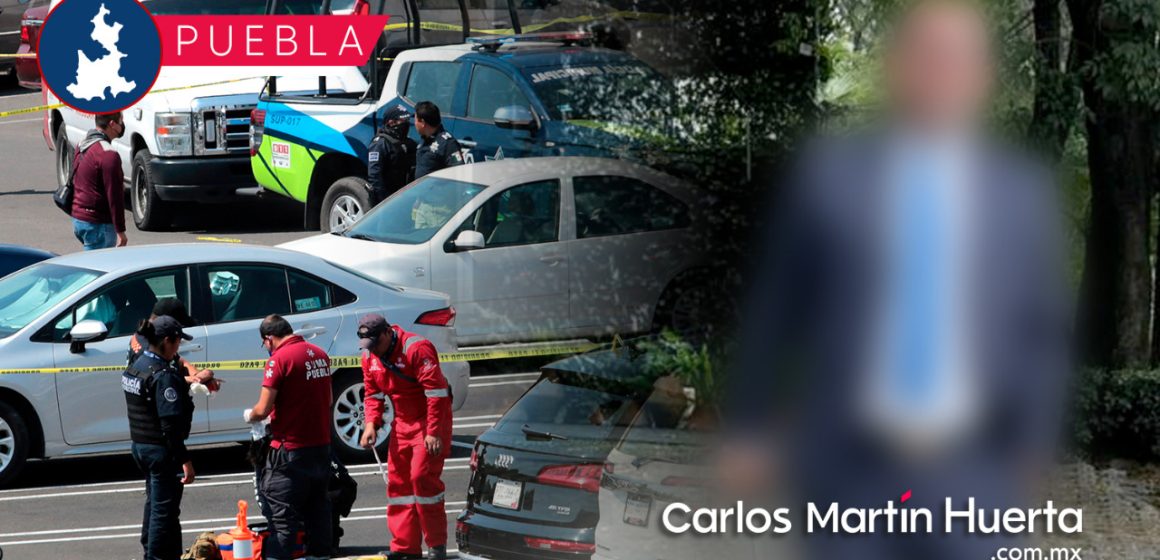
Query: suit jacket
point(809, 336)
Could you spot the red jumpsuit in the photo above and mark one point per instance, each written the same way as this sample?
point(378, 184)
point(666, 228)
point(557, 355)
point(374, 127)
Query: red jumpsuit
point(422, 402)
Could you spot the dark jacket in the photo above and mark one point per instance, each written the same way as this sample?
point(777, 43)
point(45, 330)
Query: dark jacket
point(159, 406)
point(390, 158)
point(99, 183)
point(437, 152)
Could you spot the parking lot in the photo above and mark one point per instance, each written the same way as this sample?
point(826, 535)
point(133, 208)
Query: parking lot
point(90, 506)
point(31, 219)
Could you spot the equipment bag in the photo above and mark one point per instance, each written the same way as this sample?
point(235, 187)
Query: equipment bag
point(204, 548)
point(64, 194)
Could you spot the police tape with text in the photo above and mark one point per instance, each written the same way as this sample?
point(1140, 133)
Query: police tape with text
point(347, 361)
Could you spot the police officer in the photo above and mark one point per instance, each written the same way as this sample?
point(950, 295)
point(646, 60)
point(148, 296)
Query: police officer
point(174, 308)
point(405, 368)
point(391, 155)
point(439, 148)
point(160, 414)
point(296, 475)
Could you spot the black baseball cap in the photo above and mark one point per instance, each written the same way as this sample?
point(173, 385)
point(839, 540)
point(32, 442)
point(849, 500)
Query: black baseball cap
point(168, 327)
point(396, 113)
point(173, 307)
point(369, 328)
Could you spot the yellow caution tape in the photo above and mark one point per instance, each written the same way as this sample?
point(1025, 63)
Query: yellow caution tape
point(218, 239)
point(22, 55)
point(40, 108)
point(342, 362)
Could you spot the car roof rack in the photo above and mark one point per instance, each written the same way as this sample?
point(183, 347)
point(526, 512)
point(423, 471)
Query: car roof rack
point(565, 38)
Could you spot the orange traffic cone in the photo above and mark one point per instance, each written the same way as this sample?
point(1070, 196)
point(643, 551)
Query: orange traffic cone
point(242, 536)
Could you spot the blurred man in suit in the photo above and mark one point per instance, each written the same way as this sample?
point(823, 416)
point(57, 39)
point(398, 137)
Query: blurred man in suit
point(910, 322)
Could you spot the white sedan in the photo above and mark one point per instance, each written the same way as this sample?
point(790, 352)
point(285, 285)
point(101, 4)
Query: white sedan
point(540, 248)
point(80, 310)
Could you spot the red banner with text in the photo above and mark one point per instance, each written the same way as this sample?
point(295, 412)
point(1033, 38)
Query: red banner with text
point(268, 40)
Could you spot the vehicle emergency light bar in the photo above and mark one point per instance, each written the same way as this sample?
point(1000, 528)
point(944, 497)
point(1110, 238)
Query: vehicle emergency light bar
point(566, 38)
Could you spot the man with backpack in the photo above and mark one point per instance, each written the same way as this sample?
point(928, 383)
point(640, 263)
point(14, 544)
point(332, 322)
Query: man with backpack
point(404, 367)
point(98, 206)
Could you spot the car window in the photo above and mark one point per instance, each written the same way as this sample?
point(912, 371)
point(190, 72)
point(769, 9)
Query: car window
point(434, 82)
point(242, 292)
point(522, 215)
point(308, 294)
point(28, 294)
point(573, 406)
point(490, 90)
point(611, 205)
point(123, 304)
point(413, 215)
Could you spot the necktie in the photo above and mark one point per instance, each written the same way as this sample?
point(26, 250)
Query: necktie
point(921, 252)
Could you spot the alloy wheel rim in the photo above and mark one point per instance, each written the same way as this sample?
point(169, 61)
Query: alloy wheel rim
point(64, 164)
point(350, 417)
point(7, 445)
point(345, 211)
point(140, 198)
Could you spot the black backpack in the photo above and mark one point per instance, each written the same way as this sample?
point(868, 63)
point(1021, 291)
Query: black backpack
point(64, 194)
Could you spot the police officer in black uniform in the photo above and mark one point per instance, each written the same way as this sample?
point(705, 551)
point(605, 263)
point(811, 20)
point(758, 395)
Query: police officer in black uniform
point(391, 155)
point(174, 308)
point(160, 415)
point(439, 148)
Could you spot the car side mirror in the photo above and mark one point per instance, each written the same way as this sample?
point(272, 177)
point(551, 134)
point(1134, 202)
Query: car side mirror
point(85, 331)
point(517, 117)
point(468, 240)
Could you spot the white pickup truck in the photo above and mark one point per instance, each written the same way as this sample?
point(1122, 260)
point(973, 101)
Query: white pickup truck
point(189, 141)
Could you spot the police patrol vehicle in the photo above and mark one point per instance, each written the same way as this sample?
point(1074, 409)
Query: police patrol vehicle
point(547, 94)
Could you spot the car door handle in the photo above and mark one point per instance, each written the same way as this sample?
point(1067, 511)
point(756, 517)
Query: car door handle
point(310, 332)
point(185, 347)
point(551, 260)
point(466, 143)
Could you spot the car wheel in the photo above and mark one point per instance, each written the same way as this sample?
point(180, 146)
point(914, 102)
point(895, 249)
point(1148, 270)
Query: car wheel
point(14, 440)
point(347, 200)
point(688, 307)
point(64, 156)
point(349, 418)
point(150, 213)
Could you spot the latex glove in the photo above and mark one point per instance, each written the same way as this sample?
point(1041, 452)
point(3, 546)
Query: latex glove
point(246, 414)
point(196, 389)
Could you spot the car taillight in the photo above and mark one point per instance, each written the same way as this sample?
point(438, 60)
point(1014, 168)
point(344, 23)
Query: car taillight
point(584, 477)
point(560, 546)
point(25, 34)
point(362, 8)
point(474, 461)
point(438, 318)
point(257, 128)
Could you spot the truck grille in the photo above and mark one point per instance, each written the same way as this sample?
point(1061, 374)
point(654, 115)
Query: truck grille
point(222, 130)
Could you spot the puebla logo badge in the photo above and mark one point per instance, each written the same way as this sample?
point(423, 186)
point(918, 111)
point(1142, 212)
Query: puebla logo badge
point(100, 56)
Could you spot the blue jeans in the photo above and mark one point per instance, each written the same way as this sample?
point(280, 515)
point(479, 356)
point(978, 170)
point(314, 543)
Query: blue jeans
point(94, 236)
point(161, 525)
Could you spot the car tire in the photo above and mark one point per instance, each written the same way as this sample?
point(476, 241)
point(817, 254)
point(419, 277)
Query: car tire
point(65, 155)
point(347, 200)
point(150, 213)
point(347, 419)
point(14, 443)
point(688, 306)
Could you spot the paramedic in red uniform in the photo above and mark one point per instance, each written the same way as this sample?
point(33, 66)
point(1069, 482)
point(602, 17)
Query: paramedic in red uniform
point(405, 368)
point(296, 475)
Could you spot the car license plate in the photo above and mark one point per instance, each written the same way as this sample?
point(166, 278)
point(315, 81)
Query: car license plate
point(636, 510)
point(507, 494)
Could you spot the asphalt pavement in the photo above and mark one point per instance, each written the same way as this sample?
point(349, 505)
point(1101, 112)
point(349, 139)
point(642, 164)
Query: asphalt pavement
point(91, 507)
point(28, 216)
